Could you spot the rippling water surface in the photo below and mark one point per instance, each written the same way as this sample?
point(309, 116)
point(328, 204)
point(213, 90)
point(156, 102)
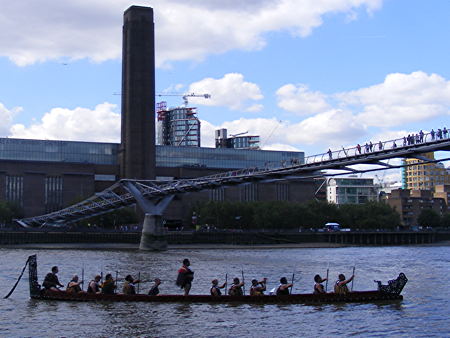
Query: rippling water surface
point(424, 312)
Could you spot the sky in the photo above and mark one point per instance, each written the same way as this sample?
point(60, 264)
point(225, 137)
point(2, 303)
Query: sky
point(304, 75)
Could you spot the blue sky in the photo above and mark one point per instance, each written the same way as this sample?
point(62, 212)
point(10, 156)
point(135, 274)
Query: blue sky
point(302, 74)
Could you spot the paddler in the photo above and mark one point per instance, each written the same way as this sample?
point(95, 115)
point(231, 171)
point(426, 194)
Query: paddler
point(215, 288)
point(258, 288)
point(129, 287)
point(340, 286)
point(74, 285)
point(51, 281)
point(318, 287)
point(236, 288)
point(283, 288)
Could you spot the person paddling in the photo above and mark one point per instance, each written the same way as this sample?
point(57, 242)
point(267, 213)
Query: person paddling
point(74, 285)
point(94, 286)
point(258, 288)
point(154, 290)
point(283, 288)
point(129, 287)
point(215, 288)
point(236, 288)
point(340, 286)
point(51, 281)
point(109, 285)
point(318, 287)
point(185, 277)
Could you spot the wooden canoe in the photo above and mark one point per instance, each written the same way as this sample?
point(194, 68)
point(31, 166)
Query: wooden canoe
point(383, 294)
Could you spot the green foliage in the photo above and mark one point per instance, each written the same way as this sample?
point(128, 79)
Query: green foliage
point(429, 218)
point(9, 211)
point(110, 220)
point(286, 215)
point(445, 220)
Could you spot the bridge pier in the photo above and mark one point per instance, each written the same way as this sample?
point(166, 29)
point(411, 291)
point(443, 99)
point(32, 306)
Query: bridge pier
point(153, 236)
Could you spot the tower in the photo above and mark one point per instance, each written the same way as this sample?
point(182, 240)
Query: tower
point(137, 148)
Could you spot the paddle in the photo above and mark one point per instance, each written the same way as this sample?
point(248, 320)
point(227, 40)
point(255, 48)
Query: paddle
point(82, 278)
point(243, 284)
point(18, 280)
point(117, 278)
point(290, 291)
point(353, 274)
point(226, 283)
point(326, 284)
point(139, 279)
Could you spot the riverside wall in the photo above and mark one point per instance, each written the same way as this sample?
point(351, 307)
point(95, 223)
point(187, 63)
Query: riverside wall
point(238, 238)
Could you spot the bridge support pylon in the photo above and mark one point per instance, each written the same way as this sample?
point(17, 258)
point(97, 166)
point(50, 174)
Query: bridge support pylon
point(153, 236)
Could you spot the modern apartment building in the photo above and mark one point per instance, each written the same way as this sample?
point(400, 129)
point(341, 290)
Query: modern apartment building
point(424, 176)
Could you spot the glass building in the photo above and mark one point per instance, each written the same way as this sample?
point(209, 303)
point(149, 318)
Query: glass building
point(166, 156)
point(351, 190)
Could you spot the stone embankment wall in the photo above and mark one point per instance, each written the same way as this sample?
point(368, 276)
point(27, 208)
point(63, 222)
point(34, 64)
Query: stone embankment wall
point(348, 238)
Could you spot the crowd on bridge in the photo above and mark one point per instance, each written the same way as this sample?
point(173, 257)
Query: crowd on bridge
point(410, 139)
point(184, 280)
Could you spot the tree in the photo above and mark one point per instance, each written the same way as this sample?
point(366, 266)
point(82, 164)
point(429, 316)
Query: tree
point(429, 218)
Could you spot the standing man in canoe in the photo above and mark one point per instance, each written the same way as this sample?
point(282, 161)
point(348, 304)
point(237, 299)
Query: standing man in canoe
point(341, 284)
point(51, 281)
point(185, 277)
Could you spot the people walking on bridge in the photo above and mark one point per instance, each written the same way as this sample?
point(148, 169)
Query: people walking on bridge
point(185, 277)
point(417, 138)
point(380, 146)
point(432, 133)
point(366, 147)
point(358, 147)
point(439, 134)
point(330, 154)
point(371, 146)
point(405, 141)
point(444, 132)
point(421, 136)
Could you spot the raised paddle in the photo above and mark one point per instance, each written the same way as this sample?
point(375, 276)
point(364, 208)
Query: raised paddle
point(82, 278)
point(290, 291)
point(117, 278)
point(139, 279)
point(243, 286)
point(353, 275)
point(326, 284)
point(226, 283)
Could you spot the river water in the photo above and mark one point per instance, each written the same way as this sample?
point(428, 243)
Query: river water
point(424, 312)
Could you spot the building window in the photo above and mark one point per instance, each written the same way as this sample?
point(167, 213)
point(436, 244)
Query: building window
point(53, 193)
point(282, 192)
point(217, 194)
point(249, 192)
point(14, 189)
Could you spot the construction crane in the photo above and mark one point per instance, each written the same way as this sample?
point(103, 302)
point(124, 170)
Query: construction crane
point(185, 96)
point(234, 135)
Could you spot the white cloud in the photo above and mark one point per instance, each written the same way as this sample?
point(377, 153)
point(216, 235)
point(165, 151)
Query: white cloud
point(300, 100)
point(229, 91)
point(101, 124)
point(34, 31)
point(6, 116)
point(400, 98)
